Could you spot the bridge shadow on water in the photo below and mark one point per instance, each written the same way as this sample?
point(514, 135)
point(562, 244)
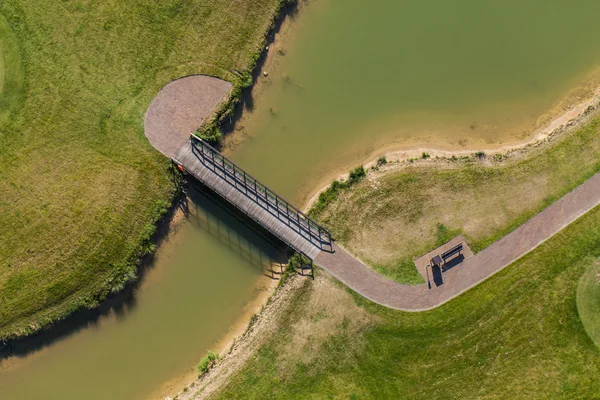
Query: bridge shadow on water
point(205, 211)
point(241, 235)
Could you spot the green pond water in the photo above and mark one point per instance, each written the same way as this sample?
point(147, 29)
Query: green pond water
point(356, 77)
point(203, 276)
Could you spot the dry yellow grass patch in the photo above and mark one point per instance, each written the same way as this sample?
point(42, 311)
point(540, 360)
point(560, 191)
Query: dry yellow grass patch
point(395, 216)
point(328, 311)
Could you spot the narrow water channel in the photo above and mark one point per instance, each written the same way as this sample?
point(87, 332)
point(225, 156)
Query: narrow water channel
point(206, 272)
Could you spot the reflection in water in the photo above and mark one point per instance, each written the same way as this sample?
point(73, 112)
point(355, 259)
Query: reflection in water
point(217, 218)
point(205, 271)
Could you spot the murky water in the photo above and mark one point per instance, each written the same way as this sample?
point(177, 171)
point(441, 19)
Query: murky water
point(359, 76)
point(355, 77)
point(203, 275)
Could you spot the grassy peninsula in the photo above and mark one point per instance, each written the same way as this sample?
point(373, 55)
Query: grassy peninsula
point(405, 212)
point(82, 190)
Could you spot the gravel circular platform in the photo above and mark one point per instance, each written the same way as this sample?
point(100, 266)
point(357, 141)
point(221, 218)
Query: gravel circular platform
point(180, 108)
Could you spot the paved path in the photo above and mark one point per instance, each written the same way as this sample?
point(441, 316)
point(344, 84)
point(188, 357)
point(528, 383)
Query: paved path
point(473, 270)
point(180, 108)
point(182, 105)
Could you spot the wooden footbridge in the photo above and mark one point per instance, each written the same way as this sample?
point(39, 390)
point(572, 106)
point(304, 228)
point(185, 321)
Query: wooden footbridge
point(253, 198)
point(178, 109)
point(182, 105)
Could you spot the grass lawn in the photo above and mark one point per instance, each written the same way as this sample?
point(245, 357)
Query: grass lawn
point(517, 335)
point(11, 73)
point(588, 301)
point(405, 213)
point(81, 189)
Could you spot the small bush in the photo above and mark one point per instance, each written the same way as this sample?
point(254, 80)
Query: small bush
point(297, 261)
point(356, 175)
point(290, 270)
point(425, 156)
point(381, 161)
point(480, 154)
point(207, 362)
point(246, 80)
point(210, 134)
point(332, 192)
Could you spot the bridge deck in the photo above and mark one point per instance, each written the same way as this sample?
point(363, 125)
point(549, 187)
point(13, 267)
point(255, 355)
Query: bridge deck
point(267, 211)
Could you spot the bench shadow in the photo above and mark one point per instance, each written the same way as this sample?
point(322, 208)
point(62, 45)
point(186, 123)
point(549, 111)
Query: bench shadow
point(436, 271)
point(453, 263)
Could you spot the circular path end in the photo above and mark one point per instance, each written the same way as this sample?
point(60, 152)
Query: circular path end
point(180, 108)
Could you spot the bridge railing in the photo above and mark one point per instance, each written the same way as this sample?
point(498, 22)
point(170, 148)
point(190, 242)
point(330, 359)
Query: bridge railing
point(267, 198)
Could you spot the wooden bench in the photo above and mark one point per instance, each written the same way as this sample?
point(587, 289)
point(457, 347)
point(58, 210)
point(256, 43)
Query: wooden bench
point(456, 250)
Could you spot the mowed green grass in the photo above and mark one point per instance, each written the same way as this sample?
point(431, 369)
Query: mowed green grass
point(588, 300)
point(518, 335)
point(403, 214)
point(11, 72)
point(81, 189)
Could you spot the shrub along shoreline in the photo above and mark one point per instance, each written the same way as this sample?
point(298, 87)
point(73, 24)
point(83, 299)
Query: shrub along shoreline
point(211, 130)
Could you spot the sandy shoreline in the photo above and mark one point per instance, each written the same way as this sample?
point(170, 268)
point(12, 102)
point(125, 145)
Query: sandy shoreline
point(399, 158)
point(264, 290)
point(241, 349)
